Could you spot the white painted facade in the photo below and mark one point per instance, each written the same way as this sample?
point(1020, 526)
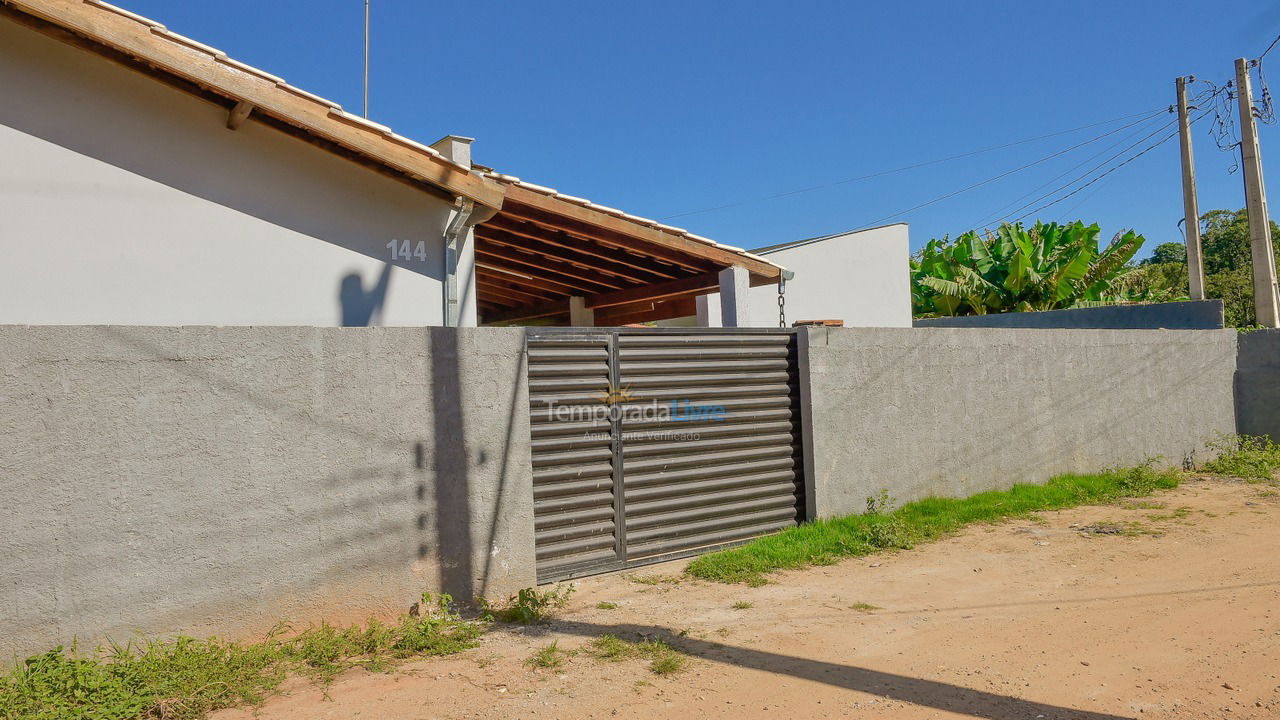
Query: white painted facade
point(126, 201)
point(862, 278)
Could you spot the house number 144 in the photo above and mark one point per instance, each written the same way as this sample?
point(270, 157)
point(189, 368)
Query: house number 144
point(401, 250)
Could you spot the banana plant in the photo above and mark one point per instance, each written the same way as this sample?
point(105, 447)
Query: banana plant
point(1013, 268)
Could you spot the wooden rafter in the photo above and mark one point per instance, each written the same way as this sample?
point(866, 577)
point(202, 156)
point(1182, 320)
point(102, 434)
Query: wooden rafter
point(689, 286)
point(643, 312)
point(550, 267)
point(622, 261)
point(572, 217)
point(497, 288)
point(522, 274)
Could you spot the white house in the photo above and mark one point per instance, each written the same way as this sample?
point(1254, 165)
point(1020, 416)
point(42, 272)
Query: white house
point(860, 278)
point(149, 179)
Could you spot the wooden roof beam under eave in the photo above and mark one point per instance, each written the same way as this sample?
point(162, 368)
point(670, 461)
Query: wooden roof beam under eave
point(538, 265)
point(577, 219)
point(625, 262)
point(576, 252)
point(694, 285)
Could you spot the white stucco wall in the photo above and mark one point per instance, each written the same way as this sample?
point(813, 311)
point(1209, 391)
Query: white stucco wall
point(125, 201)
point(862, 278)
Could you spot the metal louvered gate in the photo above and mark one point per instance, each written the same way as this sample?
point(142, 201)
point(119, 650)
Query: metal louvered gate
point(650, 444)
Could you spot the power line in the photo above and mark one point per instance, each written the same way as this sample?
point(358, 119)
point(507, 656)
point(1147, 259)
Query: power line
point(1144, 151)
point(1088, 172)
point(1273, 44)
point(1007, 173)
point(993, 216)
point(811, 188)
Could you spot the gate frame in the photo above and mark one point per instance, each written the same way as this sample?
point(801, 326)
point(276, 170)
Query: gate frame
point(802, 424)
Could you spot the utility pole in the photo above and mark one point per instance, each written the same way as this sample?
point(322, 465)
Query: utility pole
point(1266, 299)
point(366, 59)
point(1190, 206)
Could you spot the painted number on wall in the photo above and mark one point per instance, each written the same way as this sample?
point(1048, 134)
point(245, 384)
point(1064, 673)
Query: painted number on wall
point(401, 250)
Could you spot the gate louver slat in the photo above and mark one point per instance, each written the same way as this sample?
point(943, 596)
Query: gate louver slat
point(676, 508)
point(704, 452)
point(572, 452)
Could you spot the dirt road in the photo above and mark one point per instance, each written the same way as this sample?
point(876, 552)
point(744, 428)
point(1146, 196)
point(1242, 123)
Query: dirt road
point(1170, 612)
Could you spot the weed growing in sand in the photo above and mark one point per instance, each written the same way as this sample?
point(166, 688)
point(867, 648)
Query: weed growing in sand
point(663, 659)
point(187, 678)
point(550, 657)
point(528, 606)
point(1245, 456)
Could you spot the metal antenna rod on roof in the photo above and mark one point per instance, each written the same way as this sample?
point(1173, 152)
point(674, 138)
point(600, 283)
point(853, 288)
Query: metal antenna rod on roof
point(366, 59)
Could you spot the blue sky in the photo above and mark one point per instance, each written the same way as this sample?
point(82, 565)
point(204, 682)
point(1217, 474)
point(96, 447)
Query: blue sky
point(663, 108)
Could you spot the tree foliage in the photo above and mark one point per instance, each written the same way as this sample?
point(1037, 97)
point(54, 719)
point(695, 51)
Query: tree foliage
point(1014, 268)
point(1228, 264)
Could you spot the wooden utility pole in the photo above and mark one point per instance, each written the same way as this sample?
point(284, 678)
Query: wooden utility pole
point(1190, 206)
point(1266, 298)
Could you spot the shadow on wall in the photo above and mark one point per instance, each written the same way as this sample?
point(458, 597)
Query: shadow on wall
point(1257, 384)
point(360, 308)
point(159, 133)
point(470, 466)
point(304, 504)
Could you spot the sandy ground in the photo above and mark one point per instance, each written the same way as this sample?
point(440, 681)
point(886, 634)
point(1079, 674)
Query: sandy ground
point(1028, 619)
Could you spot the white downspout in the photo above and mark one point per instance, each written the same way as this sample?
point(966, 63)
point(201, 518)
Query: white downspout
point(457, 226)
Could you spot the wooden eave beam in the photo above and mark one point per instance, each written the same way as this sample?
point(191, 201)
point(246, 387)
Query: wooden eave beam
point(542, 266)
point(640, 236)
point(124, 35)
point(519, 277)
point(239, 114)
point(645, 312)
point(695, 285)
point(497, 287)
point(620, 261)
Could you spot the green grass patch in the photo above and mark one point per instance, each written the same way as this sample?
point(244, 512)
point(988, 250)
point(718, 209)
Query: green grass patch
point(663, 659)
point(864, 607)
point(187, 678)
point(1245, 456)
point(654, 579)
point(827, 541)
point(742, 605)
point(550, 657)
point(606, 605)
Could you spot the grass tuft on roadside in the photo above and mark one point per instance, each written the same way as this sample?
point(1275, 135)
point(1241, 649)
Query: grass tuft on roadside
point(826, 541)
point(186, 678)
point(550, 657)
point(663, 659)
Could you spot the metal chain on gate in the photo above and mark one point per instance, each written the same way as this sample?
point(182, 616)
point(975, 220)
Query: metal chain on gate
point(782, 301)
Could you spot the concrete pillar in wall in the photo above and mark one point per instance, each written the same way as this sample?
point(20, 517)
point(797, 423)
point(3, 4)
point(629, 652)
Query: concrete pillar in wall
point(458, 149)
point(579, 314)
point(708, 307)
point(735, 288)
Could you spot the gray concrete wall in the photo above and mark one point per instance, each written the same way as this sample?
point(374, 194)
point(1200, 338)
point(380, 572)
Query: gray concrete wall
point(953, 412)
point(1190, 315)
point(126, 201)
point(218, 480)
point(1258, 384)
